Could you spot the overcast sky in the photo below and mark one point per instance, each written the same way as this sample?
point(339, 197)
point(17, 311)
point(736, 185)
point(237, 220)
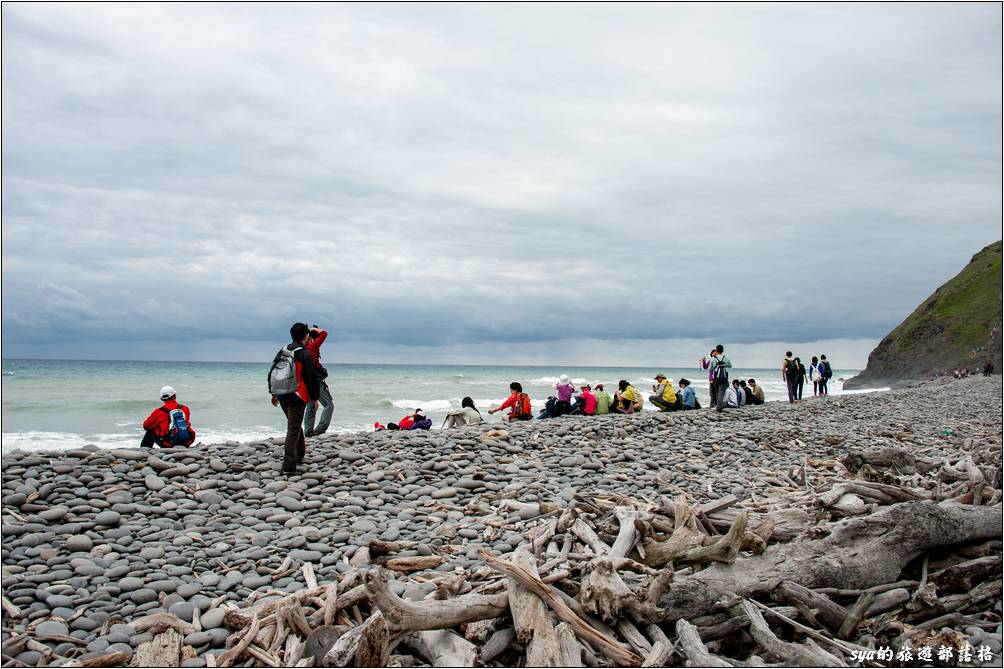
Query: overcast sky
point(585, 184)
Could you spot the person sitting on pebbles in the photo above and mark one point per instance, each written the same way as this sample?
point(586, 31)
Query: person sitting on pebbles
point(665, 397)
point(414, 421)
point(519, 403)
point(603, 400)
point(585, 403)
point(626, 399)
point(467, 415)
point(688, 398)
point(169, 425)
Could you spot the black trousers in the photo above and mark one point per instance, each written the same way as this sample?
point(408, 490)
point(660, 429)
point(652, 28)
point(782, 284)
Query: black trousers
point(149, 439)
point(714, 395)
point(799, 387)
point(296, 445)
point(718, 396)
point(792, 390)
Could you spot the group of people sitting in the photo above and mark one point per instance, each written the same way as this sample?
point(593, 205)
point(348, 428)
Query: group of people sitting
point(596, 401)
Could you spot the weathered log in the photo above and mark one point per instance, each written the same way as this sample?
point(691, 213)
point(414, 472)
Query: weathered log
point(416, 563)
point(496, 645)
point(691, 645)
point(155, 623)
point(792, 654)
point(627, 535)
point(113, 659)
point(855, 614)
point(829, 613)
point(609, 647)
point(402, 615)
point(480, 630)
point(858, 553)
point(443, 648)
point(163, 650)
point(966, 575)
point(897, 458)
point(530, 616)
point(688, 545)
point(570, 654)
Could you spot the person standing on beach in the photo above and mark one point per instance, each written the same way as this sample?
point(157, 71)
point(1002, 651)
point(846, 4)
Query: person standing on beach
point(757, 392)
point(170, 424)
point(293, 383)
point(519, 401)
point(705, 363)
point(317, 337)
point(603, 400)
point(789, 374)
point(815, 375)
point(800, 379)
point(718, 366)
point(827, 372)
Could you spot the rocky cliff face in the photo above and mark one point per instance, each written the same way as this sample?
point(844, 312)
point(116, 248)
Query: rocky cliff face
point(958, 326)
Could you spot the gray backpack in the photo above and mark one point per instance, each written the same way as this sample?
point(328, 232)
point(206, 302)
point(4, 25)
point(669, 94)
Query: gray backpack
point(282, 376)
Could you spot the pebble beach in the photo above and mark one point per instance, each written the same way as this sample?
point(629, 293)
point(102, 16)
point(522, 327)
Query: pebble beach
point(94, 538)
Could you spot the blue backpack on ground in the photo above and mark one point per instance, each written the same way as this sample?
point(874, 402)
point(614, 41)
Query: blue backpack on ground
point(178, 433)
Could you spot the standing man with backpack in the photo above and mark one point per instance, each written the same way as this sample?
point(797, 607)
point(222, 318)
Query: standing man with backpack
point(825, 373)
point(169, 425)
point(293, 383)
point(718, 367)
point(317, 337)
point(790, 373)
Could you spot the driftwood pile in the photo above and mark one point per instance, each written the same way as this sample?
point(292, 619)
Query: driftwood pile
point(891, 547)
point(883, 548)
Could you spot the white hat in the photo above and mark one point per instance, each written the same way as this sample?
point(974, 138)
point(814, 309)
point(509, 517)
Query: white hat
point(563, 378)
point(166, 392)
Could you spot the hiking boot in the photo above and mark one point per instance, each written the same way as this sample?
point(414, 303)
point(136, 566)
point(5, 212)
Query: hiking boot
point(309, 434)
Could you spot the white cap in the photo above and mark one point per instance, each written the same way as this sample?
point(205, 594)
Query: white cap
point(563, 378)
point(166, 392)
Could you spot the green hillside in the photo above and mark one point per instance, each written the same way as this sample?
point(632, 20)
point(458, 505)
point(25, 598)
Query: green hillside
point(958, 326)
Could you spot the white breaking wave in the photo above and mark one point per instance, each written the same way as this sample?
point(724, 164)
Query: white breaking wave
point(427, 405)
point(551, 380)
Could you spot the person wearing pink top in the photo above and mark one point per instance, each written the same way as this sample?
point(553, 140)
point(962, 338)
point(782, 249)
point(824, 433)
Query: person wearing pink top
point(588, 400)
point(706, 364)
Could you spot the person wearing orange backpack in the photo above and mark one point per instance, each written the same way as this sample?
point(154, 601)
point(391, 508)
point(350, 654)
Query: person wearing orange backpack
point(519, 401)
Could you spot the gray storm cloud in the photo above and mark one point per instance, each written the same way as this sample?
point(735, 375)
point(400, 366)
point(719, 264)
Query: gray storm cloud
point(451, 176)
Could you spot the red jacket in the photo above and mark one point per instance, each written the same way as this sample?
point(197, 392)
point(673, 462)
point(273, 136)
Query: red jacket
point(314, 346)
point(160, 422)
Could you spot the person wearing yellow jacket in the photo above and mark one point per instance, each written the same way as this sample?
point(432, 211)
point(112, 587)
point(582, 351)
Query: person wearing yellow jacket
point(665, 396)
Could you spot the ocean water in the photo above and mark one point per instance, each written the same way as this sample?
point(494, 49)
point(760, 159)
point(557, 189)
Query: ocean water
point(63, 404)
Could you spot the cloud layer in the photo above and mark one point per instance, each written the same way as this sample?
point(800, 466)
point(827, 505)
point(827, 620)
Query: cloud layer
point(450, 177)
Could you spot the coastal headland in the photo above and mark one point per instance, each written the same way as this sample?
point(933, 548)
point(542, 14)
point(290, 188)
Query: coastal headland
point(95, 542)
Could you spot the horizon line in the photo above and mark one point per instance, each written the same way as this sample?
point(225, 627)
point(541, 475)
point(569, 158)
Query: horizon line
point(374, 364)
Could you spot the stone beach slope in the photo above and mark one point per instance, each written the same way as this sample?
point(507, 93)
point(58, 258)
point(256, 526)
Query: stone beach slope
point(94, 539)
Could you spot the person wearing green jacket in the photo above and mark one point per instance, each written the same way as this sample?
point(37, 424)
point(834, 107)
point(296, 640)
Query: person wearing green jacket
point(603, 400)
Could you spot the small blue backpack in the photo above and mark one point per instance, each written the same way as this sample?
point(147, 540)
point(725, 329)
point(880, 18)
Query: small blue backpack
point(178, 433)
